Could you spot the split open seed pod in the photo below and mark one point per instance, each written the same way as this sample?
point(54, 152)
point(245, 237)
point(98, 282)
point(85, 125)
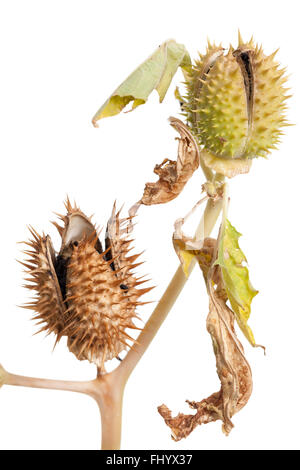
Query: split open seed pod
point(83, 292)
point(235, 105)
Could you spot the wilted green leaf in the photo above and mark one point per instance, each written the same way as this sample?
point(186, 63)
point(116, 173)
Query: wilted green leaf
point(236, 277)
point(155, 73)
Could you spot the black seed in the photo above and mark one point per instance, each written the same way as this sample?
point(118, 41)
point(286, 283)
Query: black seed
point(244, 60)
point(98, 246)
point(60, 266)
point(108, 255)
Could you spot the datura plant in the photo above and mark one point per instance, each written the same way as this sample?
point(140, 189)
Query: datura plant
point(233, 107)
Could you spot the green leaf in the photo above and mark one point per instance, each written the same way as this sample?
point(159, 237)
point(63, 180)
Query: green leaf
point(155, 73)
point(236, 277)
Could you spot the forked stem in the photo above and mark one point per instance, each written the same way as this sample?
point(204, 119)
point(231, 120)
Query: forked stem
point(108, 389)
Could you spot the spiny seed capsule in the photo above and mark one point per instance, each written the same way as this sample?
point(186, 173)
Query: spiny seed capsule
point(235, 105)
point(83, 292)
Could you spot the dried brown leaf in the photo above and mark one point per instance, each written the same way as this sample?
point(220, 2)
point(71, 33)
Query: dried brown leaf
point(232, 367)
point(174, 175)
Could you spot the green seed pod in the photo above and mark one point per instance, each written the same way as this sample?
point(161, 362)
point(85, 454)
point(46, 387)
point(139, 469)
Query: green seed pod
point(235, 105)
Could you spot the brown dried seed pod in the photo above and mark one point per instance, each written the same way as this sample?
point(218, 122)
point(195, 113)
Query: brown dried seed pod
point(100, 311)
point(95, 292)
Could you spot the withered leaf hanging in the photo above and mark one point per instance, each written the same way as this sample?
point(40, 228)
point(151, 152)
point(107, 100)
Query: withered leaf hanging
point(232, 367)
point(173, 175)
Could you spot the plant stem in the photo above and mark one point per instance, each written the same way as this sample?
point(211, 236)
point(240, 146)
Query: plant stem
point(109, 397)
point(71, 386)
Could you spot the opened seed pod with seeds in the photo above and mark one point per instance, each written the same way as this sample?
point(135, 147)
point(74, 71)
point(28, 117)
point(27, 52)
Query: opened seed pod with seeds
point(233, 106)
point(85, 293)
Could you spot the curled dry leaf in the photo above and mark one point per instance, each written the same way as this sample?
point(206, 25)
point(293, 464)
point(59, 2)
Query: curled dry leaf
point(174, 175)
point(232, 367)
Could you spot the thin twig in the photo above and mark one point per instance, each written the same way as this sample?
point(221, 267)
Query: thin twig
point(70, 386)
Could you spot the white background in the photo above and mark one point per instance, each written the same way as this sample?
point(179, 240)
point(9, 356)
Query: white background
point(60, 60)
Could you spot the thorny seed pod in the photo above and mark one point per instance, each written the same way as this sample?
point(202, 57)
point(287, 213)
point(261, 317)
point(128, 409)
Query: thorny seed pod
point(235, 105)
point(83, 293)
